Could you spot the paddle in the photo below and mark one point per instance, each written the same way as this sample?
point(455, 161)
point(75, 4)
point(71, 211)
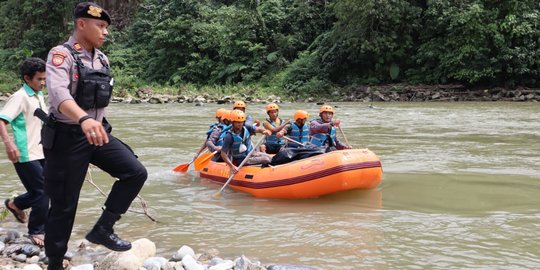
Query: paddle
point(344, 137)
point(184, 167)
point(291, 140)
point(203, 159)
point(217, 194)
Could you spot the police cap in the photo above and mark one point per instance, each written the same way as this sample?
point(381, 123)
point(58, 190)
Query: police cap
point(91, 10)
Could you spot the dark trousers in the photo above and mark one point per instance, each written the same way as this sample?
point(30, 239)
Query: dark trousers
point(31, 175)
point(65, 171)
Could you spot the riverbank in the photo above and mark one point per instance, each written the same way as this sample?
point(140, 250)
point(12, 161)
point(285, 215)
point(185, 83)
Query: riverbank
point(380, 93)
point(18, 252)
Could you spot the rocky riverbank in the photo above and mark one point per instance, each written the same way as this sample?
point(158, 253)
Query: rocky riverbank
point(18, 252)
point(382, 93)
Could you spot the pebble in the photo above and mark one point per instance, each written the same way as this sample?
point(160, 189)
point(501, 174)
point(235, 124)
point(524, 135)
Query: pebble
point(17, 254)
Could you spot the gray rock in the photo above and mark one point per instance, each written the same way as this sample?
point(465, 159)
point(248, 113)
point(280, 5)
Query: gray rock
point(190, 264)
point(155, 100)
point(135, 101)
point(2, 246)
point(33, 267)
point(12, 235)
point(30, 250)
point(183, 251)
point(243, 263)
point(290, 267)
point(20, 258)
point(12, 249)
point(215, 261)
point(154, 263)
point(83, 267)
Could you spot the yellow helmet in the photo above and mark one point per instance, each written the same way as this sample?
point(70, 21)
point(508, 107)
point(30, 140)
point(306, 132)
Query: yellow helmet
point(301, 114)
point(220, 112)
point(239, 104)
point(237, 116)
point(326, 108)
point(226, 115)
point(271, 107)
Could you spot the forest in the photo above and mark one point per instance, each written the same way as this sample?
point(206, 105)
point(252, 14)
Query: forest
point(299, 47)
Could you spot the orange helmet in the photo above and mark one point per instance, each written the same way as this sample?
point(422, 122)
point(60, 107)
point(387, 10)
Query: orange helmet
point(237, 116)
point(220, 112)
point(300, 114)
point(226, 115)
point(326, 108)
point(239, 104)
point(271, 107)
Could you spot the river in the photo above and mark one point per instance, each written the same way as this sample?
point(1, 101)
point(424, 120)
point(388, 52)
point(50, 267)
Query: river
point(459, 190)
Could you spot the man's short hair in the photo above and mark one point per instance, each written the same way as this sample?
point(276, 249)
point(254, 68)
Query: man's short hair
point(31, 66)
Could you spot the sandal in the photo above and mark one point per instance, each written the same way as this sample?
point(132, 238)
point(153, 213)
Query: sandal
point(37, 239)
point(19, 214)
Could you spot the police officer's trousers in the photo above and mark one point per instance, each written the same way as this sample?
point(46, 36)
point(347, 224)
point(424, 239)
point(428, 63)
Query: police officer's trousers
point(65, 170)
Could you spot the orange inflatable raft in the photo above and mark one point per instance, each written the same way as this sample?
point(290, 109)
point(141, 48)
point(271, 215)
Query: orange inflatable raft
point(307, 178)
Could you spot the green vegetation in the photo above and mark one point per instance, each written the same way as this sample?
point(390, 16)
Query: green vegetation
point(302, 48)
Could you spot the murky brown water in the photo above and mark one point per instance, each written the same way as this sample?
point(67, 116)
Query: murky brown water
point(460, 190)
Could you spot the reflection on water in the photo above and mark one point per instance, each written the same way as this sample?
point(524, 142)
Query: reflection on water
point(459, 190)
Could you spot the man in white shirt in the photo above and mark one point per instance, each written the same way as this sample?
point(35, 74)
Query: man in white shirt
point(25, 150)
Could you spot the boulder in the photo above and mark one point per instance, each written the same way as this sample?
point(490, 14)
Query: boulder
point(190, 264)
point(182, 252)
point(132, 259)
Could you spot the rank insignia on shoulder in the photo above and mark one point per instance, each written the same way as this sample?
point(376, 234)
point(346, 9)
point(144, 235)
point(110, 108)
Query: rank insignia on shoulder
point(77, 46)
point(58, 58)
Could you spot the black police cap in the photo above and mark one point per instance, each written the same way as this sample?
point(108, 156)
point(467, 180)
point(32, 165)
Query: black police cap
point(92, 11)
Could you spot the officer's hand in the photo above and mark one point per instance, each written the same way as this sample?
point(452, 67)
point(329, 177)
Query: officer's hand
point(12, 151)
point(267, 132)
point(257, 123)
point(94, 131)
point(280, 134)
point(217, 149)
point(337, 122)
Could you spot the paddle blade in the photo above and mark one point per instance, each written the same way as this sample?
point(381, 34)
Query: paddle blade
point(181, 168)
point(217, 195)
point(202, 160)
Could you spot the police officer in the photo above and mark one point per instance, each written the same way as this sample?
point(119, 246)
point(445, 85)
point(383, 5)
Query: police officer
point(80, 87)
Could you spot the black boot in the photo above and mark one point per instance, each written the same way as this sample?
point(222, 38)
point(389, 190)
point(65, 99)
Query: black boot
point(55, 263)
point(103, 233)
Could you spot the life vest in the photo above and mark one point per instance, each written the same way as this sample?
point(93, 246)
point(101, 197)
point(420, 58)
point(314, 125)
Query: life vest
point(298, 135)
point(273, 139)
point(320, 139)
point(211, 129)
point(224, 129)
point(239, 140)
point(94, 86)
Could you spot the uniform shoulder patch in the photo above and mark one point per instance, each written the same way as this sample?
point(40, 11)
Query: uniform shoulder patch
point(58, 57)
point(77, 47)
